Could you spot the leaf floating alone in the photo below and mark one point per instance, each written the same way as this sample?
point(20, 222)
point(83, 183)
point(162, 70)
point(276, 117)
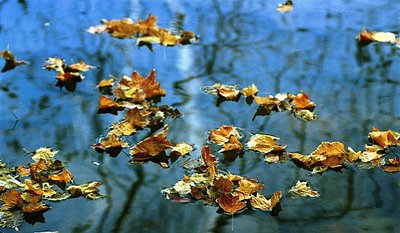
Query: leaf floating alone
point(264, 143)
point(11, 61)
point(88, 190)
point(145, 30)
point(302, 189)
point(227, 92)
point(285, 7)
point(261, 202)
point(367, 37)
point(68, 76)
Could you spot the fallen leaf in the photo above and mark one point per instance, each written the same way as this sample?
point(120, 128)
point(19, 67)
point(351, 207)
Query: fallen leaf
point(63, 177)
point(23, 171)
point(43, 153)
point(264, 143)
point(106, 83)
point(107, 105)
point(210, 161)
point(223, 184)
point(372, 153)
point(384, 138)
point(79, 67)
point(222, 135)
point(261, 202)
point(151, 146)
point(88, 190)
point(250, 91)
point(232, 145)
point(391, 165)
point(285, 7)
point(302, 101)
point(247, 187)
point(11, 61)
point(11, 200)
point(181, 149)
point(229, 92)
point(366, 37)
point(34, 207)
point(330, 154)
point(302, 189)
point(230, 203)
point(111, 145)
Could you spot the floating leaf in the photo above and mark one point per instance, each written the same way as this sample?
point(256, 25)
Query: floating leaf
point(264, 143)
point(11, 61)
point(181, 149)
point(151, 146)
point(222, 135)
point(391, 165)
point(106, 83)
point(366, 37)
point(88, 190)
point(302, 189)
point(261, 202)
point(228, 92)
point(43, 153)
point(11, 200)
point(230, 203)
point(63, 177)
point(107, 105)
point(384, 138)
point(247, 187)
point(250, 91)
point(285, 7)
point(372, 153)
point(232, 145)
point(111, 145)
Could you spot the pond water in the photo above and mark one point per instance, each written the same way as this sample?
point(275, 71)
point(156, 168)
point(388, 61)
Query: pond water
point(313, 48)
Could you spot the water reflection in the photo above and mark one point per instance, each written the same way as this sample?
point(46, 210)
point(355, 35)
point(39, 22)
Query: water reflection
point(242, 42)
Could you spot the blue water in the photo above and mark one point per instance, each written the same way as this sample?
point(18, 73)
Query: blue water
point(312, 48)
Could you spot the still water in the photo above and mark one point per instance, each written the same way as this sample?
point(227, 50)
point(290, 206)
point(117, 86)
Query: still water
point(312, 48)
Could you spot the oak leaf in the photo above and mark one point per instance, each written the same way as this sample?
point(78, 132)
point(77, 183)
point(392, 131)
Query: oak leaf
point(302, 189)
point(261, 202)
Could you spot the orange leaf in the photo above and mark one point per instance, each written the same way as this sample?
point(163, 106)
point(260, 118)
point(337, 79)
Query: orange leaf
point(372, 153)
point(330, 154)
point(107, 105)
point(210, 160)
point(222, 135)
point(11, 61)
point(302, 101)
point(247, 187)
point(250, 91)
point(224, 184)
point(106, 83)
point(11, 200)
point(285, 7)
point(64, 177)
point(264, 143)
point(384, 138)
point(230, 203)
point(111, 145)
point(302, 189)
point(151, 146)
point(23, 171)
point(232, 144)
point(80, 67)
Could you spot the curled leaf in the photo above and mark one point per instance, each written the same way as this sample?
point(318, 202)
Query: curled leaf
point(88, 190)
point(302, 189)
point(264, 143)
point(11, 61)
point(261, 202)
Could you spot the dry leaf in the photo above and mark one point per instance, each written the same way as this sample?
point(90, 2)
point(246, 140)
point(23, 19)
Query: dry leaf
point(232, 144)
point(229, 92)
point(264, 143)
point(250, 91)
point(181, 149)
point(88, 190)
point(151, 146)
point(111, 145)
point(107, 105)
point(384, 138)
point(372, 153)
point(11, 61)
point(210, 161)
point(247, 187)
point(230, 203)
point(63, 177)
point(222, 135)
point(330, 154)
point(11, 200)
point(285, 7)
point(366, 37)
point(23, 171)
point(43, 153)
point(106, 83)
point(391, 165)
point(261, 202)
point(302, 101)
point(302, 189)
point(223, 184)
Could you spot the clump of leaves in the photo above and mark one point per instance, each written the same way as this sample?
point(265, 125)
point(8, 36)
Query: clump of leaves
point(11, 61)
point(231, 193)
point(68, 75)
point(26, 188)
point(146, 31)
point(139, 96)
point(300, 105)
point(285, 7)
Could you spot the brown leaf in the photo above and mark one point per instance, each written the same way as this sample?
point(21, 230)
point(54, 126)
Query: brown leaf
point(247, 187)
point(64, 177)
point(181, 149)
point(223, 184)
point(264, 143)
point(107, 105)
point(285, 7)
point(366, 37)
point(111, 145)
point(23, 171)
point(106, 83)
point(250, 91)
point(137, 118)
point(34, 207)
point(43, 153)
point(230, 203)
point(122, 128)
point(11, 200)
point(391, 165)
point(371, 153)
point(232, 144)
point(222, 135)
point(11, 61)
point(210, 161)
point(229, 92)
point(302, 189)
point(80, 67)
point(261, 202)
point(330, 154)
point(151, 146)
point(384, 138)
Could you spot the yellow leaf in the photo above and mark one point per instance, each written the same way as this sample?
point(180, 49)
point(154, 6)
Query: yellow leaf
point(302, 189)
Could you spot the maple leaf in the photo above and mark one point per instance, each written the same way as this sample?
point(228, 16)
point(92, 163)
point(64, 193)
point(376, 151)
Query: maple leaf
point(302, 189)
point(285, 7)
point(261, 202)
point(181, 149)
point(230, 203)
point(302, 101)
point(111, 145)
point(11, 200)
point(11, 61)
point(107, 105)
point(151, 146)
point(384, 138)
point(250, 91)
point(88, 190)
point(264, 143)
